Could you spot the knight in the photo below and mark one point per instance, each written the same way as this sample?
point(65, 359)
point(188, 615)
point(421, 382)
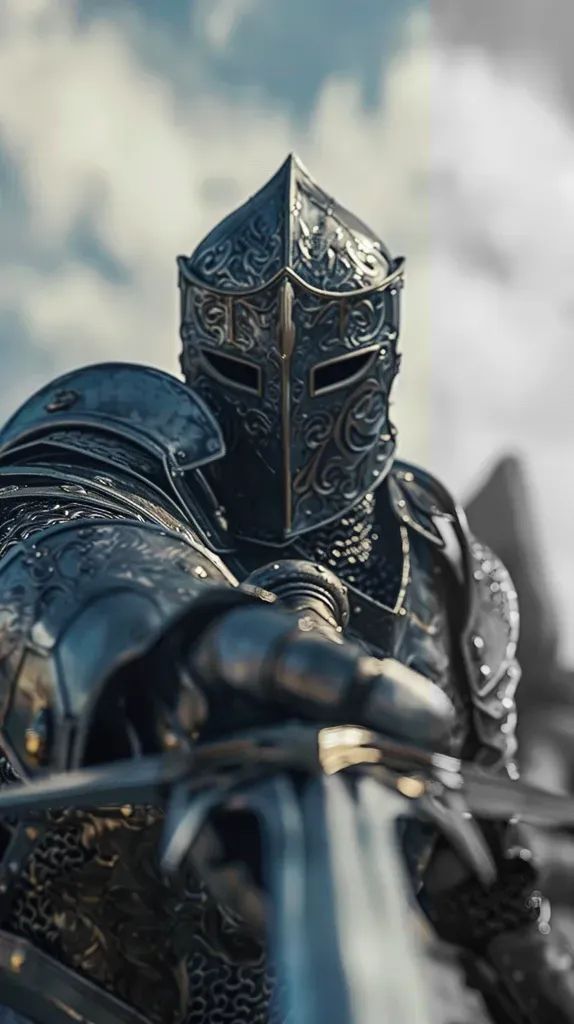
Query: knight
point(141, 513)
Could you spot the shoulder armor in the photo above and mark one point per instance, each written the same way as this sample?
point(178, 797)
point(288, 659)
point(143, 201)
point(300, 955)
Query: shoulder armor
point(421, 502)
point(489, 645)
point(490, 618)
point(153, 409)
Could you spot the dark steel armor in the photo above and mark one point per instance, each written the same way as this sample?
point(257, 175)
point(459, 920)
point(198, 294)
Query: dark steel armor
point(132, 506)
point(290, 316)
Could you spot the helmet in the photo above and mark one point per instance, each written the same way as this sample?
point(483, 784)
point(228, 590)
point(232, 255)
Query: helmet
point(290, 315)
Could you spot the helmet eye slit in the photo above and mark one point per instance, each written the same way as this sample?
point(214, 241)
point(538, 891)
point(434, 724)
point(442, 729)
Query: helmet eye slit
point(238, 372)
point(336, 373)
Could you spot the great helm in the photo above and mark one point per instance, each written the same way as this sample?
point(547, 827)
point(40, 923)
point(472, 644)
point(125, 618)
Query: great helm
point(289, 324)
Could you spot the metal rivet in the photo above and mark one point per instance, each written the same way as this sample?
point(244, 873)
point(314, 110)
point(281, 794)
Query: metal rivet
point(61, 401)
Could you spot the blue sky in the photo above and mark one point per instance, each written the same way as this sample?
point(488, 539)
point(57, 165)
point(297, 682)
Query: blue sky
point(127, 129)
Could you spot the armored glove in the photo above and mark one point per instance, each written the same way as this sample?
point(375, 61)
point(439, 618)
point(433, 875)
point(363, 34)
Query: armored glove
point(523, 967)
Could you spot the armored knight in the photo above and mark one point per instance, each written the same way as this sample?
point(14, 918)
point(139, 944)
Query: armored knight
point(146, 526)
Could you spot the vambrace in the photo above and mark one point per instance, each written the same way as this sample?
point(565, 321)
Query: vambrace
point(79, 602)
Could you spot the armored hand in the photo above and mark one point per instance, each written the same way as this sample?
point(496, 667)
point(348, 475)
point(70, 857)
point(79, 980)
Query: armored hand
point(260, 658)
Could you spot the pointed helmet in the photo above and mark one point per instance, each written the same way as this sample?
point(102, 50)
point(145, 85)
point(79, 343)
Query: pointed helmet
point(290, 317)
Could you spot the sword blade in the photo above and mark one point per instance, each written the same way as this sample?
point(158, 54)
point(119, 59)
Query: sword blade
point(342, 934)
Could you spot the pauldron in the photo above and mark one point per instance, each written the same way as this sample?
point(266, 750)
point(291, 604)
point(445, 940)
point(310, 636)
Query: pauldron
point(488, 620)
point(102, 529)
point(118, 427)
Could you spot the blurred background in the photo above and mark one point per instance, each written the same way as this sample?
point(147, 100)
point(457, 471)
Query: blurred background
point(128, 128)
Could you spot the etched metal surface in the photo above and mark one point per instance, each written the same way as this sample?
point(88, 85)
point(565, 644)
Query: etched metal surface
point(490, 633)
point(491, 639)
point(290, 223)
point(401, 597)
point(92, 896)
point(137, 573)
point(290, 318)
point(145, 405)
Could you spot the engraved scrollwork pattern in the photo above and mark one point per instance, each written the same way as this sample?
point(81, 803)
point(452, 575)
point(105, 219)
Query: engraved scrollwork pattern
point(207, 316)
point(51, 576)
point(327, 252)
point(492, 643)
point(290, 223)
point(318, 323)
point(244, 251)
point(92, 894)
point(342, 456)
point(26, 518)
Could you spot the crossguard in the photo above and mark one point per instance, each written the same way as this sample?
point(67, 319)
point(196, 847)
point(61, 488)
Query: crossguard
point(432, 786)
point(330, 841)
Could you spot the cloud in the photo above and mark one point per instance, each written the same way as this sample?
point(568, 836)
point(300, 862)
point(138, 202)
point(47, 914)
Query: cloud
point(100, 142)
point(501, 326)
point(222, 18)
point(464, 165)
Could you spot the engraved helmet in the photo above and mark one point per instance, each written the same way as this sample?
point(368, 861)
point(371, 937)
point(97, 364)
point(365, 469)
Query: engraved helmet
point(289, 324)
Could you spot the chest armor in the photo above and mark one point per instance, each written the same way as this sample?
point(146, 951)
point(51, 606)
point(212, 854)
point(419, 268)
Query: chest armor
point(121, 443)
point(400, 591)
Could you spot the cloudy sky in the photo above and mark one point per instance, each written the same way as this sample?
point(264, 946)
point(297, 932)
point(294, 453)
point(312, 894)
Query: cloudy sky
point(128, 128)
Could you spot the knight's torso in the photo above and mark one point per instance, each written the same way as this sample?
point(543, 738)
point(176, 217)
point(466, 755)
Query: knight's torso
point(117, 498)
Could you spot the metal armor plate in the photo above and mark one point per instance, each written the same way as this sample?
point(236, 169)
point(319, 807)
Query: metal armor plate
point(490, 616)
point(152, 408)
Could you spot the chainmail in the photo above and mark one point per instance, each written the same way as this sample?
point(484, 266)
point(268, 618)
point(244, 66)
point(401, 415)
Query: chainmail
point(363, 548)
point(73, 902)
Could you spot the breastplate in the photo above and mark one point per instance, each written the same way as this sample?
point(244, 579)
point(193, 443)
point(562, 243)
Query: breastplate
point(400, 593)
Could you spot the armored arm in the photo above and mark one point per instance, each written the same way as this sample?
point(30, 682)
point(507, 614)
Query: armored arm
point(107, 547)
point(101, 548)
point(521, 964)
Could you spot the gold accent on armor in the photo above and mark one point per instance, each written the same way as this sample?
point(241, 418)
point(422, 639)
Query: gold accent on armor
point(17, 961)
point(33, 743)
point(411, 787)
point(406, 573)
point(69, 1011)
point(341, 747)
point(170, 741)
point(428, 628)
